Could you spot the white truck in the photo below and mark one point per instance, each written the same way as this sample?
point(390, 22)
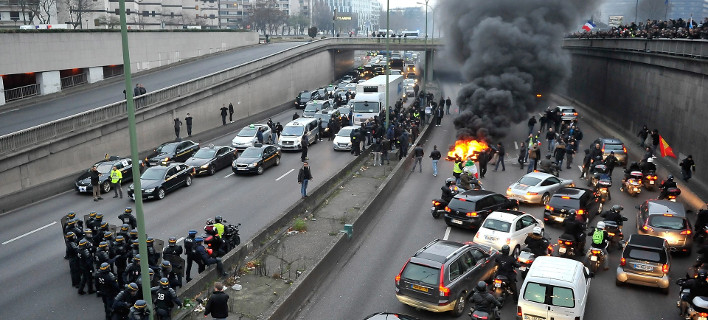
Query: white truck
point(370, 96)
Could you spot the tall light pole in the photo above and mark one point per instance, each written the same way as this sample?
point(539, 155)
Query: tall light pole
point(636, 11)
point(388, 59)
point(426, 45)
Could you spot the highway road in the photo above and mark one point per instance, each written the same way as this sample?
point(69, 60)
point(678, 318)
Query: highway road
point(36, 276)
point(362, 283)
point(101, 94)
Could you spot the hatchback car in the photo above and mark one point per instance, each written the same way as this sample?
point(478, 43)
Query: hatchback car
point(342, 140)
point(608, 145)
point(470, 208)
point(256, 159)
point(584, 201)
point(314, 106)
point(104, 167)
point(567, 113)
point(211, 159)
point(667, 220)
point(305, 96)
point(157, 181)
point(536, 187)
point(172, 152)
point(441, 275)
point(247, 137)
point(646, 262)
point(506, 228)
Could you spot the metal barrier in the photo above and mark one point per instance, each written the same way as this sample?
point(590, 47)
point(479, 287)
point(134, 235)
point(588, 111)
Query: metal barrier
point(676, 47)
point(74, 80)
point(112, 72)
point(21, 92)
point(32, 137)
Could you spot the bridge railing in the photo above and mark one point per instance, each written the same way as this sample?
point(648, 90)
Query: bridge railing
point(678, 47)
point(33, 136)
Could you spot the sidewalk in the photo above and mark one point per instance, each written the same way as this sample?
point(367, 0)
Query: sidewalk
point(693, 192)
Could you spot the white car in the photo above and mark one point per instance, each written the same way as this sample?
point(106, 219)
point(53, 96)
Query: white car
point(567, 113)
point(343, 141)
point(536, 187)
point(247, 136)
point(510, 227)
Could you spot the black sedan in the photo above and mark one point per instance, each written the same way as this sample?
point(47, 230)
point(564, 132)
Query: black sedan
point(178, 151)
point(83, 182)
point(157, 181)
point(211, 159)
point(256, 159)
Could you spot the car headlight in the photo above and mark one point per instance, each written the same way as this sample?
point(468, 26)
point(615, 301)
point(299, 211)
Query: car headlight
point(205, 166)
point(252, 165)
point(149, 190)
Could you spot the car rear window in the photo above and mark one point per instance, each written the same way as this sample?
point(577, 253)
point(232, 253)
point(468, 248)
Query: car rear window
point(421, 274)
point(559, 202)
point(667, 222)
point(497, 225)
point(645, 254)
point(560, 296)
point(462, 205)
point(535, 292)
point(614, 147)
point(529, 181)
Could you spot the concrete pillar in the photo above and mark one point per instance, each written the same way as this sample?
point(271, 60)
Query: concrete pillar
point(2, 92)
point(49, 82)
point(94, 74)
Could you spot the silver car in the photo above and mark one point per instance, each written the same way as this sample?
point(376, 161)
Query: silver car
point(536, 187)
point(247, 136)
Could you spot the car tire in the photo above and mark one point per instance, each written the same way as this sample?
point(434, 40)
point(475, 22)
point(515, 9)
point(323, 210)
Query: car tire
point(259, 170)
point(188, 181)
point(212, 170)
point(618, 283)
point(160, 194)
point(105, 187)
point(460, 305)
point(277, 161)
point(545, 198)
point(665, 291)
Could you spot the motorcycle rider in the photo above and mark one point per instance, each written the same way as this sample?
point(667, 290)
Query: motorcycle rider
point(536, 243)
point(614, 215)
point(665, 186)
point(467, 180)
point(447, 190)
point(575, 228)
point(648, 166)
point(219, 226)
point(634, 166)
point(701, 222)
point(505, 267)
point(484, 301)
point(697, 287)
point(599, 241)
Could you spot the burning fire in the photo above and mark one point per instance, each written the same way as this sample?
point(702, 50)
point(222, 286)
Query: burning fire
point(466, 148)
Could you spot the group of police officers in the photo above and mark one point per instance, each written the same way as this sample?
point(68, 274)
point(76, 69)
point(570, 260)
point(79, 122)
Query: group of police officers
point(100, 254)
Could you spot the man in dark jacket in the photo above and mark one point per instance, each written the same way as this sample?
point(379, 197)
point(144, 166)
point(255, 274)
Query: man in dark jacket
point(643, 134)
point(303, 177)
point(482, 300)
point(586, 163)
point(500, 157)
point(223, 115)
point(532, 124)
point(94, 184)
point(304, 146)
point(418, 155)
point(655, 139)
point(207, 260)
point(218, 304)
point(611, 162)
point(687, 166)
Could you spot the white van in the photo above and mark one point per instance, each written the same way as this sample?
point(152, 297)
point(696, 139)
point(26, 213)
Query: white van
point(555, 288)
point(293, 132)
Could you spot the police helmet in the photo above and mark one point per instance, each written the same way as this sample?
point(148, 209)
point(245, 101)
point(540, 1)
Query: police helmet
point(103, 245)
point(83, 242)
point(150, 241)
point(120, 238)
point(99, 216)
point(71, 215)
point(104, 225)
point(71, 222)
point(601, 224)
point(104, 266)
point(132, 287)
point(218, 219)
point(140, 304)
point(133, 232)
point(128, 209)
point(151, 273)
point(505, 250)
point(134, 243)
point(166, 264)
point(164, 283)
point(125, 227)
point(107, 235)
point(88, 232)
point(617, 208)
point(172, 241)
point(92, 214)
point(537, 230)
point(450, 181)
point(481, 286)
point(192, 233)
point(70, 234)
point(136, 258)
point(198, 239)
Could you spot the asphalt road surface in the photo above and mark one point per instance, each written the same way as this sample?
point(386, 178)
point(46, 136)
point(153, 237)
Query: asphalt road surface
point(363, 282)
point(36, 277)
point(103, 94)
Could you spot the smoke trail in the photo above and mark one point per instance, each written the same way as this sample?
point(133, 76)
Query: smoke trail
point(509, 50)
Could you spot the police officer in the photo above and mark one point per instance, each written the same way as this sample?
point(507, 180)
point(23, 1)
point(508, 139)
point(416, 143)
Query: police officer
point(85, 267)
point(173, 250)
point(482, 300)
point(124, 231)
point(103, 256)
point(153, 255)
point(139, 311)
point(506, 265)
point(205, 259)
point(72, 251)
point(189, 250)
point(166, 271)
point(90, 220)
point(70, 228)
point(97, 222)
point(128, 218)
point(72, 215)
point(164, 299)
point(120, 256)
point(123, 301)
point(132, 271)
point(599, 242)
point(152, 281)
point(107, 287)
point(74, 226)
point(116, 179)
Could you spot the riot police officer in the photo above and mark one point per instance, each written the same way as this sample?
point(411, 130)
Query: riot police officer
point(85, 267)
point(189, 250)
point(132, 271)
point(91, 219)
point(103, 256)
point(172, 253)
point(139, 311)
point(123, 301)
point(107, 286)
point(166, 271)
point(72, 251)
point(120, 255)
point(128, 218)
point(164, 299)
point(124, 231)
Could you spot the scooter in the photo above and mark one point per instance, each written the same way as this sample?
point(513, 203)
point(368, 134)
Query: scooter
point(696, 309)
point(614, 230)
point(603, 188)
point(501, 287)
point(568, 247)
point(594, 258)
point(633, 184)
point(439, 205)
point(526, 258)
point(649, 180)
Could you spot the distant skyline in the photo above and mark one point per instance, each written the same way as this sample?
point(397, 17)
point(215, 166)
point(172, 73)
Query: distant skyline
point(404, 3)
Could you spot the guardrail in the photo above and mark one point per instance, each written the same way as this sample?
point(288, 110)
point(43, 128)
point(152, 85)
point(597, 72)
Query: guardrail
point(21, 92)
point(33, 136)
point(74, 80)
point(677, 47)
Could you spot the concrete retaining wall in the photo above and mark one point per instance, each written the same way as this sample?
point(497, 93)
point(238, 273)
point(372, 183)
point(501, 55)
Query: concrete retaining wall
point(37, 52)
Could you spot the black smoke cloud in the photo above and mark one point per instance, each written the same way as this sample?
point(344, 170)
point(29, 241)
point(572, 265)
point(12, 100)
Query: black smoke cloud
point(509, 51)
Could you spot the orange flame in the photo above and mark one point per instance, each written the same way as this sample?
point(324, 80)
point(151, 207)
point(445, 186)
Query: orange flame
point(465, 149)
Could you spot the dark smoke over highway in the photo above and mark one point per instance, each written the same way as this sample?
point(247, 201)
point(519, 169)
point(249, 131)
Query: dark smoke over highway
point(509, 51)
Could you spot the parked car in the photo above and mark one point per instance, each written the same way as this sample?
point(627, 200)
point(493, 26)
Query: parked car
point(608, 145)
point(666, 219)
point(441, 275)
point(304, 96)
point(536, 187)
point(172, 152)
point(256, 159)
point(584, 201)
point(247, 137)
point(470, 208)
point(506, 228)
point(211, 159)
point(342, 140)
point(646, 262)
point(157, 181)
point(104, 167)
point(314, 106)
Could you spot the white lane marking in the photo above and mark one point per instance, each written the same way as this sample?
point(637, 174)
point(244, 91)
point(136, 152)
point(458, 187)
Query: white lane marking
point(29, 233)
point(516, 145)
point(447, 233)
point(230, 174)
point(8, 111)
point(180, 240)
point(285, 174)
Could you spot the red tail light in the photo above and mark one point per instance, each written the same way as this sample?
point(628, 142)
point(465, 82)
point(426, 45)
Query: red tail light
point(436, 203)
point(444, 291)
point(518, 311)
point(581, 211)
point(569, 243)
point(686, 232)
point(647, 228)
point(549, 208)
point(703, 314)
point(531, 193)
point(623, 262)
point(603, 150)
point(560, 241)
point(595, 252)
point(550, 249)
point(665, 268)
point(624, 149)
point(447, 209)
point(398, 277)
point(471, 214)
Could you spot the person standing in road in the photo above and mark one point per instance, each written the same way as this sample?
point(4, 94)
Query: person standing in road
point(418, 155)
point(218, 303)
point(94, 184)
point(116, 179)
point(687, 166)
point(448, 103)
point(376, 151)
point(611, 161)
point(188, 121)
point(435, 156)
point(533, 157)
point(385, 148)
point(523, 153)
point(107, 287)
point(178, 125)
point(569, 153)
point(551, 138)
point(223, 115)
point(231, 112)
point(259, 135)
point(303, 177)
point(303, 144)
point(500, 157)
point(532, 124)
point(643, 134)
point(440, 113)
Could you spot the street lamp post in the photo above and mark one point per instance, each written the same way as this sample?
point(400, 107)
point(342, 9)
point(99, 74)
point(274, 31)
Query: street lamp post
point(425, 75)
point(388, 60)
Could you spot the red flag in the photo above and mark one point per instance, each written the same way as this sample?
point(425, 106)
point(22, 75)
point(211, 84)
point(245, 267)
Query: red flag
point(665, 149)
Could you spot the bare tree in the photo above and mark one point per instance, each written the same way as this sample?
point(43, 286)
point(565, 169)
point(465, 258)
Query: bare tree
point(76, 11)
point(112, 21)
point(322, 16)
point(28, 8)
point(267, 17)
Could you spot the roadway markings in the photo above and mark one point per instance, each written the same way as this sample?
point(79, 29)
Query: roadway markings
point(285, 174)
point(516, 145)
point(29, 233)
point(447, 233)
point(230, 174)
point(8, 111)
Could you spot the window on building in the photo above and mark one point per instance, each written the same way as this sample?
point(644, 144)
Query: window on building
point(211, 16)
point(117, 12)
point(127, 12)
point(14, 15)
point(172, 14)
point(146, 13)
point(153, 13)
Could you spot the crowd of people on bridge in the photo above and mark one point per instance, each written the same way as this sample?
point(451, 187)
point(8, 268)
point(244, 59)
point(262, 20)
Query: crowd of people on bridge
point(651, 29)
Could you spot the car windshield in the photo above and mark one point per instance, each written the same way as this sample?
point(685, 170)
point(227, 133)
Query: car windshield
point(154, 173)
point(205, 153)
point(614, 147)
point(568, 110)
point(421, 274)
point(251, 153)
point(460, 205)
point(645, 254)
point(293, 131)
point(560, 202)
point(312, 107)
point(305, 95)
point(497, 225)
point(529, 181)
point(345, 132)
point(667, 222)
point(366, 107)
point(247, 132)
point(323, 117)
point(104, 167)
point(167, 148)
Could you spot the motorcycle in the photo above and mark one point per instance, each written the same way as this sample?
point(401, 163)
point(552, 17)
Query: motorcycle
point(481, 315)
point(231, 235)
point(501, 287)
point(594, 258)
point(614, 230)
point(633, 184)
point(439, 205)
point(229, 240)
point(649, 180)
point(671, 194)
point(567, 246)
point(597, 173)
point(696, 309)
point(602, 187)
point(526, 258)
